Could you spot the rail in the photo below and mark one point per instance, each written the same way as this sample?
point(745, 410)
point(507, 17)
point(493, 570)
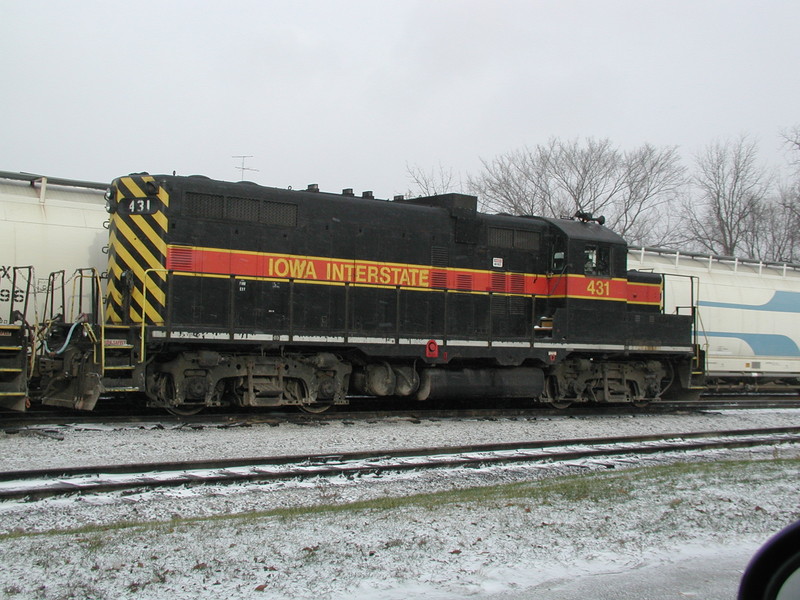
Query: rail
point(110, 478)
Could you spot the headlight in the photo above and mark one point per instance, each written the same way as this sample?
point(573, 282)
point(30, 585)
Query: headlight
point(111, 206)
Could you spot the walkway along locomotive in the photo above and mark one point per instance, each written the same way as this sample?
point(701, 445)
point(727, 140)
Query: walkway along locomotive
point(223, 293)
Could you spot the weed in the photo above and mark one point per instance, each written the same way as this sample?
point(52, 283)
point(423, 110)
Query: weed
point(595, 487)
point(327, 491)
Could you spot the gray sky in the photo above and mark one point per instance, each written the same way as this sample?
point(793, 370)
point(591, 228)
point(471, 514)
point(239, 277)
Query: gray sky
point(346, 93)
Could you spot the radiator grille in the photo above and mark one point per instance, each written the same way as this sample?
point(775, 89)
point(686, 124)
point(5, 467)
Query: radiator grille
point(207, 206)
point(233, 208)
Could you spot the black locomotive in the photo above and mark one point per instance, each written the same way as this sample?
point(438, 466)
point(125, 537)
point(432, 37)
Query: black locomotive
point(224, 293)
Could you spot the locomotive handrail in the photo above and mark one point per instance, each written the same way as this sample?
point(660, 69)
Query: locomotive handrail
point(13, 297)
point(142, 345)
point(50, 296)
point(529, 334)
point(95, 309)
point(98, 311)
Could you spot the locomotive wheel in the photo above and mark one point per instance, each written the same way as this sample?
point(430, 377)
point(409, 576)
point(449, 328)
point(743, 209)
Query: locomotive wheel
point(315, 408)
point(297, 391)
point(560, 404)
point(636, 400)
point(166, 393)
point(180, 411)
point(552, 396)
point(667, 382)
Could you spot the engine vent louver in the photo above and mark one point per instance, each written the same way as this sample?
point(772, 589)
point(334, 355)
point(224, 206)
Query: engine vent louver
point(516, 284)
point(180, 259)
point(463, 281)
point(498, 282)
point(439, 258)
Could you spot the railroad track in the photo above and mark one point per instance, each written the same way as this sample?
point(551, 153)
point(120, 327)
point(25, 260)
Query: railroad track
point(11, 421)
point(111, 478)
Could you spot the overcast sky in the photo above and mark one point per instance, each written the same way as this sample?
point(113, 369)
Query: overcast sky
point(347, 93)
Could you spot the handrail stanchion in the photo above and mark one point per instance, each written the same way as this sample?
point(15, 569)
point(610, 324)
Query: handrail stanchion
point(144, 309)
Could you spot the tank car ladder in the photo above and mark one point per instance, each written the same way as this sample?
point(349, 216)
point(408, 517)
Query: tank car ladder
point(696, 379)
point(16, 355)
point(697, 376)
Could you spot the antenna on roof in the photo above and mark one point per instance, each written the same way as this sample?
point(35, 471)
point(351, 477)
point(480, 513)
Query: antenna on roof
point(242, 168)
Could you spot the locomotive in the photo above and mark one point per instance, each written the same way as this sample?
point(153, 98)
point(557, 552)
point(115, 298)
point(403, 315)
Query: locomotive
point(235, 294)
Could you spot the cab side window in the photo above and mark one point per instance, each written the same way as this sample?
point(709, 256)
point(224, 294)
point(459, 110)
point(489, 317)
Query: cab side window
point(596, 260)
point(559, 262)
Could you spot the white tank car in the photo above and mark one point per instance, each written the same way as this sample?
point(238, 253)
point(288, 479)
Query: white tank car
point(748, 314)
point(50, 224)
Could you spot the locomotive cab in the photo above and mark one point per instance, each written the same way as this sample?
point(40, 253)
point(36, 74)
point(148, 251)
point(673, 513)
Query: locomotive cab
point(586, 278)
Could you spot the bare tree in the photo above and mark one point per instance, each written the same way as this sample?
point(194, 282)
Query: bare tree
point(777, 236)
point(790, 199)
point(433, 182)
point(654, 180)
point(725, 217)
point(514, 183)
point(561, 178)
point(792, 140)
point(591, 176)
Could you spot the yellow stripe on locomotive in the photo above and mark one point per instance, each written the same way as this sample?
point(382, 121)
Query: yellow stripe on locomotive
point(137, 250)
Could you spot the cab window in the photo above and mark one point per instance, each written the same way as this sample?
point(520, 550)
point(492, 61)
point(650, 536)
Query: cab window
point(559, 262)
point(596, 260)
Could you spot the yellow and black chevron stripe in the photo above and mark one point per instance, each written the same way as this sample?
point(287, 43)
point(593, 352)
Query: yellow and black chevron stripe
point(137, 231)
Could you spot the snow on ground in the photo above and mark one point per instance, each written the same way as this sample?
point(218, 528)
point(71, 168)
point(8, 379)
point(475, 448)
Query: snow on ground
point(532, 538)
point(98, 444)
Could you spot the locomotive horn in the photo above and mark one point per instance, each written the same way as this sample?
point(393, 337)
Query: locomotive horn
point(586, 217)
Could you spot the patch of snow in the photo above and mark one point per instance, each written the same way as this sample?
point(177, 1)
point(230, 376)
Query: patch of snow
point(206, 541)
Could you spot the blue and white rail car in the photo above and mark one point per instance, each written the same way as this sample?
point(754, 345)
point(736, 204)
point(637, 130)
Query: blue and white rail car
point(748, 314)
